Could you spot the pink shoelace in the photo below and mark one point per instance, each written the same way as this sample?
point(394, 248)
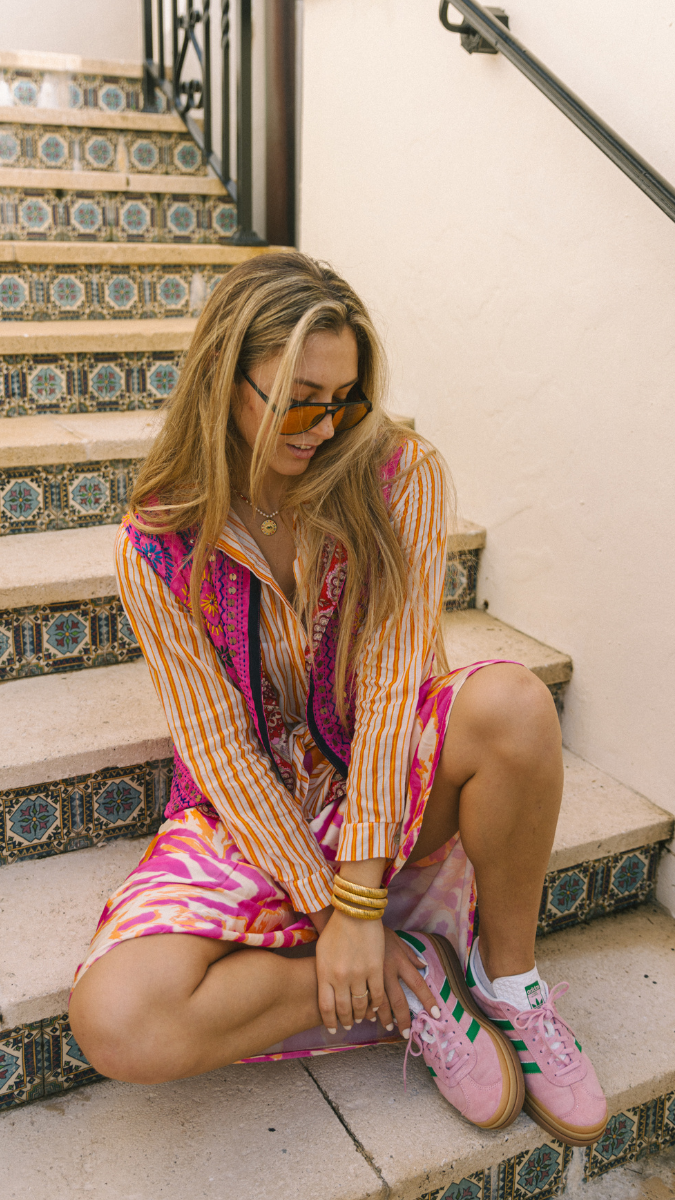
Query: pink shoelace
point(426, 1030)
point(554, 1033)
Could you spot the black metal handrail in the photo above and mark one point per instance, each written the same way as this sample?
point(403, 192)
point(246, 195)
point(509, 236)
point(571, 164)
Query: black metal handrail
point(191, 29)
point(482, 24)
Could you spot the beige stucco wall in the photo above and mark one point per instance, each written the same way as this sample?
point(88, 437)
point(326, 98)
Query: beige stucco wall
point(526, 290)
point(90, 28)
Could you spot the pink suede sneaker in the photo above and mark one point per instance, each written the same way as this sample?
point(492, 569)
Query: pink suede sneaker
point(562, 1093)
point(474, 1065)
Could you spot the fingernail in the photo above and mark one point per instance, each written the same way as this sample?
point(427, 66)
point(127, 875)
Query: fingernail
point(372, 1018)
point(389, 1027)
point(346, 1026)
point(435, 1011)
point(376, 1009)
point(406, 1033)
point(358, 1020)
point(331, 1030)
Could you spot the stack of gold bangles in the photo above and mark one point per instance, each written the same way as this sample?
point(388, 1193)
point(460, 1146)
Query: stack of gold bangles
point(368, 904)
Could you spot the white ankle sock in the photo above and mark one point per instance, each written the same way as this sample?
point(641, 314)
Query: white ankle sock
point(522, 991)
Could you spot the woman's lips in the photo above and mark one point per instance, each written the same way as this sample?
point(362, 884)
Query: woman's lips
point(299, 451)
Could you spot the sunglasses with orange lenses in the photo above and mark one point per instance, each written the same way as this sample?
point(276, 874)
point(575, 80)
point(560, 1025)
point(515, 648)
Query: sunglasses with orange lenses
point(302, 415)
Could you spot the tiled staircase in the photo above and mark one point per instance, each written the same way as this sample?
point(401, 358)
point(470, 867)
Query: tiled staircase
point(112, 236)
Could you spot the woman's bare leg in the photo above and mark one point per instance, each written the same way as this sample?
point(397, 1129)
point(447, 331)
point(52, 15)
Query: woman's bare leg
point(499, 781)
point(168, 1006)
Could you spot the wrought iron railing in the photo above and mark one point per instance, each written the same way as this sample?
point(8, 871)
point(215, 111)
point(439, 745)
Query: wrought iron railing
point(486, 31)
point(197, 83)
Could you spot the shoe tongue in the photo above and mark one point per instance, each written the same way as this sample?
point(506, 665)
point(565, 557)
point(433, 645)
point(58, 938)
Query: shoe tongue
point(524, 992)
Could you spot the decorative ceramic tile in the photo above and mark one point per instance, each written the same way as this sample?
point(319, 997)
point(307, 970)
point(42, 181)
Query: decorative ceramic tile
point(29, 215)
point(533, 1175)
point(65, 496)
point(74, 148)
point(39, 1060)
point(64, 1064)
point(65, 383)
point(68, 636)
point(631, 1134)
point(55, 292)
point(600, 886)
point(21, 1072)
point(27, 88)
point(460, 580)
point(83, 810)
point(474, 1187)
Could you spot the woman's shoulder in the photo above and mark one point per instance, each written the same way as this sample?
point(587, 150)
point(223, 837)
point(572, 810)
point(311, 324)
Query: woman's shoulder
point(416, 464)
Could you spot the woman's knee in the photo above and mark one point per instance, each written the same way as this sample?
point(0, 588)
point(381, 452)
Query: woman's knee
point(512, 712)
point(127, 1010)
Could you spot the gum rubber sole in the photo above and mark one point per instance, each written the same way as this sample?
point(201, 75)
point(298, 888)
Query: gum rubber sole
point(570, 1135)
point(508, 1057)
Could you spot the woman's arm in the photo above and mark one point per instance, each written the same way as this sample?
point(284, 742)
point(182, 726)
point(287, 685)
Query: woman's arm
point(393, 668)
point(354, 955)
point(212, 731)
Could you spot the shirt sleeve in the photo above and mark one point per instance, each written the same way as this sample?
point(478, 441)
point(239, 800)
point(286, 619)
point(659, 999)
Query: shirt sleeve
point(215, 737)
point(394, 666)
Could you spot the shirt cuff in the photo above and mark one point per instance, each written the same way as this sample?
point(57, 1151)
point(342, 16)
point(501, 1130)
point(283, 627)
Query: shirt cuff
point(368, 839)
point(312, 893)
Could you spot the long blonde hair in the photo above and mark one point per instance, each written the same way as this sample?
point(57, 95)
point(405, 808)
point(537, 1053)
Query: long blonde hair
point(270, 305)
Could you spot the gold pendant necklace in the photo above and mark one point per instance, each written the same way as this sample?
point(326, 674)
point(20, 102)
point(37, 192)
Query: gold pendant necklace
point(269, 525)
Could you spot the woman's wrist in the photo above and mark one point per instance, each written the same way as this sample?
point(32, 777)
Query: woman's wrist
point(367, 873)
point(357, 892)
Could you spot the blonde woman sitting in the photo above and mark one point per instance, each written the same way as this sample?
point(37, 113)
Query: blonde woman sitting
point(340, 797)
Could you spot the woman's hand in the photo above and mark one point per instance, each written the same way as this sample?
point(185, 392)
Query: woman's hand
point(359, 966)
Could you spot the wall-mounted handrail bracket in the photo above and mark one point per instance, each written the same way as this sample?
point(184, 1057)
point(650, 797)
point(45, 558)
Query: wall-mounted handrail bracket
point(488, 24)
point(472, 41)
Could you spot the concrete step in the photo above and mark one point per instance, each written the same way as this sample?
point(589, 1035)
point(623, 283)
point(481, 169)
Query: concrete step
point(77, 437)
point(77, 564)
point(59, 609)
point(600, 819)
point(48, 62)
point(35, 179)
point(46, 281)
point(23, 116)
point(89, 366)
point(340, 1127)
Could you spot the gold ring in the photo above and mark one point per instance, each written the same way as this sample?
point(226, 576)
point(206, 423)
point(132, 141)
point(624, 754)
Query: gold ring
point(360, 997)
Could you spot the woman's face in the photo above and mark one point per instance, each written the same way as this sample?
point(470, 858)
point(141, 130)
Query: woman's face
point(326, 372)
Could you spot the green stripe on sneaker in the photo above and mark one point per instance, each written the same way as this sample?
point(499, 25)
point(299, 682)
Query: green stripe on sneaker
point(519, 1046)
point(458, 1012)
point(472, 1031)
point(503, 1024)
point(530, 1069)
point(471, 982)
point(577, 1046)
point(445, 991)
point(412, 941)
point(431, 1071)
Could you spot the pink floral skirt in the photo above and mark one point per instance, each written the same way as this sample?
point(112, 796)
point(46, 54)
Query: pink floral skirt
point(193, 879)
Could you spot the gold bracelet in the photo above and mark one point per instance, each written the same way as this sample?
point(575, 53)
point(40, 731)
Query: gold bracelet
point(363, 901)
point(363, 914)
point(357, 890)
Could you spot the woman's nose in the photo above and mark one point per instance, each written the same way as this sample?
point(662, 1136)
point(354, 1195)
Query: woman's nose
point(325, 428)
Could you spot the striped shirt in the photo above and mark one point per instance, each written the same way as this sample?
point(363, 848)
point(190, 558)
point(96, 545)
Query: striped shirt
point(214, 734)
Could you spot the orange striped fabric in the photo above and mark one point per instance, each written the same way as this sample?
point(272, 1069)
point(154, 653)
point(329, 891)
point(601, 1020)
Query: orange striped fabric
point(215, 737)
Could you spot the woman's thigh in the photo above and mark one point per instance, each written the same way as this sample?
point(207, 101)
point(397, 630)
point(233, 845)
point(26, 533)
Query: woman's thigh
point(138, 987)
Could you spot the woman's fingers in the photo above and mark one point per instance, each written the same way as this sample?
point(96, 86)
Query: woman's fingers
point(399, 1004)
point(412, 977)
point(360, 1002)
point(343, 1005)
point(327, 1007)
